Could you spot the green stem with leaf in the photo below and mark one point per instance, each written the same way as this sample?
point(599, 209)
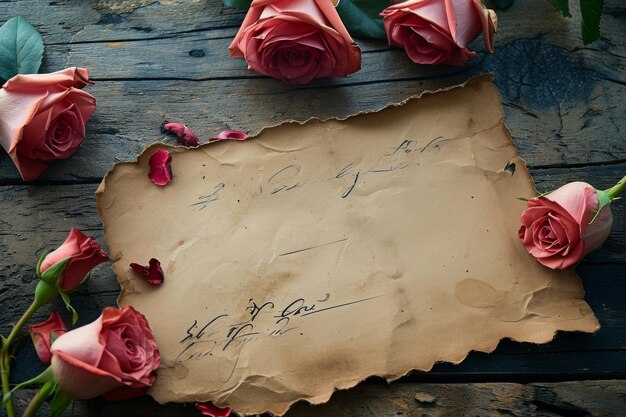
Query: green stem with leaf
point(617, 189)
point(39, 399)
point(5, 353)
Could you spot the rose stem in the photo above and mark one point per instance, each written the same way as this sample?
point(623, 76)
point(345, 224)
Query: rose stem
point(4, 369)
point(5, 356)
point(615, 190)
point(39, 399)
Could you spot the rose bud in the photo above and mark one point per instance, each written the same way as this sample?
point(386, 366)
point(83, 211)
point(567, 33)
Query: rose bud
point(208, 409)
point(81, 254)
point(160, 167)
point(184, 134)
point(296, 41)
point(557, 229)
point(115, 355)
point(43, 333)
point(43, 117)
point(439, 31)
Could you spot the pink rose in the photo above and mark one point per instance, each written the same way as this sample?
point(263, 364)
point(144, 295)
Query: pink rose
point(439, 31)
point(42, 334)
point(84, 254)
point(296, 41)
point(115, 355)
point(556, 230)
point(43, 117)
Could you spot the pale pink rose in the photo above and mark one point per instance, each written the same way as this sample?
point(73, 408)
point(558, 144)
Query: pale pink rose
point(42, 334)
point(43, 117)
point(296, 41)
point(556, 230)
point(84, 254)
point(439, 31)
point(115, 355)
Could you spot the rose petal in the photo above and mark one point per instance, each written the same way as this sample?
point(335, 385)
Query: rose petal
point(186, 135)
point(153, 273)
point(208, 409)
point(229, 135)
point(160, 168)
point(43, 333)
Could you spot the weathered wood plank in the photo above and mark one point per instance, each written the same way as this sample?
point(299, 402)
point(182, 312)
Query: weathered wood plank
point(563, 101)
point(574, 399)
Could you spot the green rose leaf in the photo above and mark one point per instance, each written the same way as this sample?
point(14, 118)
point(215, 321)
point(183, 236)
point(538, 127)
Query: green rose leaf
point(591, 11)
point(21, 48)
point(362, 19)
point(51, 275)
point(66, 299)
point(238, 4)
point(60, 402)
point(562, 6)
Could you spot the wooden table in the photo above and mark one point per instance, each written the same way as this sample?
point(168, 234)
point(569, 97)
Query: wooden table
point(153, 61)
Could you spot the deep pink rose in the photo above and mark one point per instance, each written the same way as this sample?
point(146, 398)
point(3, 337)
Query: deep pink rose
point(42, 334)
point(296, 41)
point(115, 355)
point(439, 31)
point(43, 117)
point(556, 230)
point(84, 254)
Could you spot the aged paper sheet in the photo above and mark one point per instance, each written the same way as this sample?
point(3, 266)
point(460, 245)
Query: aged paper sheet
point(315, 255)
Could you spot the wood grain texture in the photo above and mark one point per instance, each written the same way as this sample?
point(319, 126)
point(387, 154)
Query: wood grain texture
point(375, 399)
point(168, 60)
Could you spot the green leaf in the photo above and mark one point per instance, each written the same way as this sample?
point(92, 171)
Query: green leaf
point(238, 4)
point(38, 269)
point(591, 11)
point(21, 48)
point(51, 275)
point(362, 19)
point(59, 403)
point(562, 6)
point(66, 300)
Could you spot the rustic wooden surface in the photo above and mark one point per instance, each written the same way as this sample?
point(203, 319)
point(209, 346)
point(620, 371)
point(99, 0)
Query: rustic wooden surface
point(167, 60)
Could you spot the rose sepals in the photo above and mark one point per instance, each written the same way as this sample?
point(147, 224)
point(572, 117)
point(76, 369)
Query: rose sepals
point(66, 299)
point(42, 378)
point(52, 274)
point(45, 292)
point(60, 402)
point(603, 200)
point(38, 268)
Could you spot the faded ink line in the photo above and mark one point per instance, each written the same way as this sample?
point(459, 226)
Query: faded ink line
point(313, 247)
point(340, 305)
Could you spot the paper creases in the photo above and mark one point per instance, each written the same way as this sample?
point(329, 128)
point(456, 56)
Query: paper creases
point(315, 255)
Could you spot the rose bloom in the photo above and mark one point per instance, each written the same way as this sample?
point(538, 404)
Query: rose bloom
point(84, 254)
point(115, 355)
point(296, 41)
point(439, 31)
point(43, 117)
point(556, 230)
point(42, 334)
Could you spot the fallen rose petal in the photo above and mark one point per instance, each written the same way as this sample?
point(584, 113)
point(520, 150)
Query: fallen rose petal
point(186, 135)
point(230, 135)
point(160, 169)
point(208, 409)
point(153, 273)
